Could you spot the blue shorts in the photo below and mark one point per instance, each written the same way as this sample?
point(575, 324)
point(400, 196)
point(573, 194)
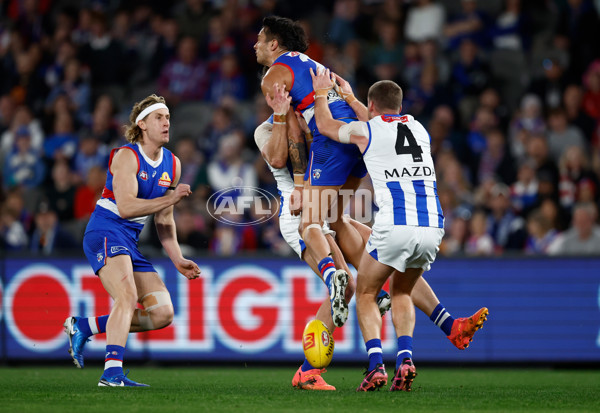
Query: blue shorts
point(99, 245)
point(331, 162)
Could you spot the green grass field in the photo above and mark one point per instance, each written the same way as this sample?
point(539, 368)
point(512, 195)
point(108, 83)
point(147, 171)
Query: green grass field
point(176, 389)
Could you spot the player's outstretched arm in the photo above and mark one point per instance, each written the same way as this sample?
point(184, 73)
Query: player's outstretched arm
point(343, 88)
point(354, 132)
point(124, 169)
point(165, 227)
point(275, 149)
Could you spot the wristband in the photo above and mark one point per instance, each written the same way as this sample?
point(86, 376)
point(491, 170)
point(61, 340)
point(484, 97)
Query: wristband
point(350, 99)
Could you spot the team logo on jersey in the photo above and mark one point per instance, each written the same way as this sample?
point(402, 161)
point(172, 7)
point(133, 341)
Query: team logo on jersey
point(316, 173)
point(143, 175)
point(165, 180)
point(99, 257)
point(294, 54)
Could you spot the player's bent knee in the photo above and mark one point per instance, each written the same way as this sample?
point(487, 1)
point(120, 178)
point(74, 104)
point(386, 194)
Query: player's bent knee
point(158, 310)
point(307, 227)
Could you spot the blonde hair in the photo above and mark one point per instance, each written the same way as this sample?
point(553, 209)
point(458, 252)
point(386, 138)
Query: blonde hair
point(133, 133)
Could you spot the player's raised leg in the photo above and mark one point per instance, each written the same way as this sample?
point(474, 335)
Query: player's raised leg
point(316, 202)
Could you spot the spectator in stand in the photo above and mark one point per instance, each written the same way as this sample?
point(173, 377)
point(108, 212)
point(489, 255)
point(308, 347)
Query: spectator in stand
point(27, 85)
point(166, 47)
point(228, 168)
point(576, 116)
point(470, 76)
point(509, 30)
point(591, 98)
point(76, 88)
point(54, 72)
point(91, 153)
point(344, 22)
point(23, 118)
point(424, 21)
point(228, 81)
point(574, 172)
point(524, 192)
point(539, 153)
point(103, 55)
point(483, 122)
point(22, 167)
point(103, 127)
point(455, 242)
point(422, 98)
point(551, 86)
point(479, 241)
point(490, 99)
point(577, 32)
point(87, 194)
point(495, 161)
point(60, 194)
point(184, 78)
point(506, 229)
point(527, 122)
point(222, 123)
point(562, 135)
point(469, 23)
point(429, 53)
point(193, 167)
point(12, 233)
point(412, 65)
point(218, 43)
point(193, 18)
point(541, 234)
point(386, 55)
point(62, 144)
point(583, 237)
point(48, 237)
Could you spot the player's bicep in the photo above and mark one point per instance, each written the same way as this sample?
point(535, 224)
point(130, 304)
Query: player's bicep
point(276, 74)
point(262, 134)
point(177, 172)
point(124, 168)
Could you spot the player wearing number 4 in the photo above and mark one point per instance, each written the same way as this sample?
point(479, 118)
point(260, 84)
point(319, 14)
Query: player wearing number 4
point(138, 180)
point(408, 228)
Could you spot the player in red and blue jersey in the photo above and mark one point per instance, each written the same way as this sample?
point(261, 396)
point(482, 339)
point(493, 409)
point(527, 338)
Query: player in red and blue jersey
point(142, 179)
point(331, 165)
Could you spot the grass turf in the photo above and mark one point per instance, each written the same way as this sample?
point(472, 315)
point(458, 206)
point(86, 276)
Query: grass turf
point(252, 389)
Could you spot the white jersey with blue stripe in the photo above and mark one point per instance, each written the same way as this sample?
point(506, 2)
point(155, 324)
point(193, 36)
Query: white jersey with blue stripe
point(398, 158)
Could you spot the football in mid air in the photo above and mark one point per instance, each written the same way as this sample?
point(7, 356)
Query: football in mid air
point(318, 344)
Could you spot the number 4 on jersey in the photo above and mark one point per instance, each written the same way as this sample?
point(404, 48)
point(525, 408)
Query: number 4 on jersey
point(412, 148)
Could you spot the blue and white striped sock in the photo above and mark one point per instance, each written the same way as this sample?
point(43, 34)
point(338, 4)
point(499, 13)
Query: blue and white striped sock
point(404, 350)
point(327, 269)
point(442, 319)
point(92, 325)
point(375, 352)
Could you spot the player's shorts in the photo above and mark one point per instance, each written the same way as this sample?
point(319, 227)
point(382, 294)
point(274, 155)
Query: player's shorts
point(403, 246)
point(100, 245)
point(331, 162)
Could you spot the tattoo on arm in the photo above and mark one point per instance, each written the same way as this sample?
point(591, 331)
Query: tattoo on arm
point(297, 154)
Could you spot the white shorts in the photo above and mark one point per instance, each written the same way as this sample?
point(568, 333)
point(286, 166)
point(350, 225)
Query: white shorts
point(289, 226)
point(402, 246)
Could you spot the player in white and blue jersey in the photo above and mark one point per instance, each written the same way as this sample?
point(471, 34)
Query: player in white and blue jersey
point(142, 179)
point(408, 227)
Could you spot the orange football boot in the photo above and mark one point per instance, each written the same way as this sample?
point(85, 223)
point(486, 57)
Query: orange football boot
point(463, 329)
point(311, 380)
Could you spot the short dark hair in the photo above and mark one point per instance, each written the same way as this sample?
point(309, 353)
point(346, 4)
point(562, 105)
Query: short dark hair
point(386, 94)
point(288, 33)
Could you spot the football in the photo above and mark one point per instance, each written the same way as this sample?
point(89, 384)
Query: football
point(318, 344)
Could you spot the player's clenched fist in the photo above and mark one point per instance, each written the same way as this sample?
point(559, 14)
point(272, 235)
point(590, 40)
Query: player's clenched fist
point(181, 191)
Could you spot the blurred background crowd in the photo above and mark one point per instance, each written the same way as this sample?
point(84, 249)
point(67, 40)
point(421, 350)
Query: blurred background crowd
point(508, 90)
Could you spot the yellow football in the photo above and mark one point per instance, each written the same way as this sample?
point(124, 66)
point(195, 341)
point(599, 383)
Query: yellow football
point(318, 344)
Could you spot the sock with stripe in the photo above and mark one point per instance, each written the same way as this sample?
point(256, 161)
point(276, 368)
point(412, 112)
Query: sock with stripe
point(306, 366)
point(375, 352)
point(327, 269)
point(442, 319)
point(113, 363)
point(92, 325)
point(404, 350)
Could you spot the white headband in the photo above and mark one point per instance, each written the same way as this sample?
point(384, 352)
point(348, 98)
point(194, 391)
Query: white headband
point(150, 109)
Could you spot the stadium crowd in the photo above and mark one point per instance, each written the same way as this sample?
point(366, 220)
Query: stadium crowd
point(508, 90)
